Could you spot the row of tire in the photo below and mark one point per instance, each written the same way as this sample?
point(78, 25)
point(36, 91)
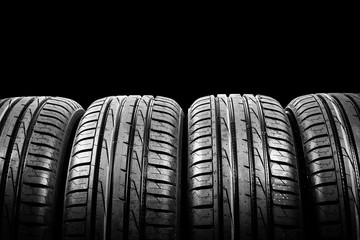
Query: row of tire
point(123, 168)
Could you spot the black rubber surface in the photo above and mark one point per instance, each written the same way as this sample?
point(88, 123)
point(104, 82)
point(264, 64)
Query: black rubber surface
point(328, 128)
point(124, 172)
point(242, 170)
point(35, 137)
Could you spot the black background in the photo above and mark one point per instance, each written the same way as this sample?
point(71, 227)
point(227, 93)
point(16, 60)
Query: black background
point(88, 54)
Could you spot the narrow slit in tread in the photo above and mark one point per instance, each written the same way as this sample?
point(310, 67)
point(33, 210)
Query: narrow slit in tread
point(165, 106)
point(163, 121)
point(314, 137)
point(306, 109)
point(200, 120)
point(160, 181)
point(52, 116)
point(161, 152)
point(278, 129)
point(199, 137)
point(199, 149)
point(159, 195)
point(59, 105)
point(199, 112)
point(273, 110)
point(202, 206)
point(197, 106)
point(313, 125)
point(277, 119)
point(282, 150)
point(162, 132)
point(318, 147)
point(49, 123)
point(47, 134)
point(55, 110)
point(281, 139)
point(200, 174)
point(201, 161)
point(44, 145)
point(41, 168)
point(166, 113)
point(309, 116)
point(202, 127)
point(163, 142)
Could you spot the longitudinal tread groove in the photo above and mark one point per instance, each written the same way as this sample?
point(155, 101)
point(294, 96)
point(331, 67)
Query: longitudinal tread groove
point(22, 160)
point(128, 167)
point(218, 167)
point(9, 152)
point(266, 160)
point(235, 189)
point(94, 203)
point(251, 167)
point(352, 140)
point(341, 163)
point(144, 165)
point(3, 118)
point(113, 148)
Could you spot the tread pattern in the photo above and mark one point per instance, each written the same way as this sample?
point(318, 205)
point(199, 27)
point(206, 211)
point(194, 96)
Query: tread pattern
point(329, 131)
point(242, 170)
point(124, 176)
point(33, 153)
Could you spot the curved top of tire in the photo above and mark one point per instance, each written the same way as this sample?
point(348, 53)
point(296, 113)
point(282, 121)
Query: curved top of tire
point(35, 133)
point(124, 172)
point(328, 130)
point(243, 176)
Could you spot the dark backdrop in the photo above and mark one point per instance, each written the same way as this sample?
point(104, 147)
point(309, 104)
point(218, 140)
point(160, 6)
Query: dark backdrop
point(86, 56)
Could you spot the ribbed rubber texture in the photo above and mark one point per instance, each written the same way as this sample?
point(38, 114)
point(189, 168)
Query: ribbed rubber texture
point(329, 133)
point(124, 173)
point(243, 176)
point(34, 150)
